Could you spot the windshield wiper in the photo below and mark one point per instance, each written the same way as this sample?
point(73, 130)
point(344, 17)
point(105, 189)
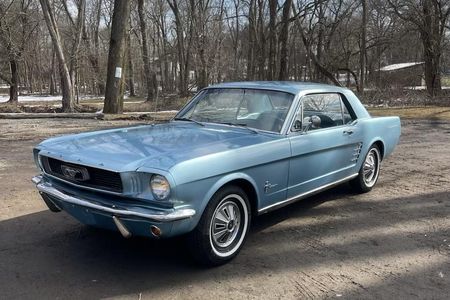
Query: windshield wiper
point(189, 120)
point(240, 125)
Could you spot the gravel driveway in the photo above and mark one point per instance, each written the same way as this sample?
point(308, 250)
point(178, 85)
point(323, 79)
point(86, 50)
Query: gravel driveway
point(393, 242)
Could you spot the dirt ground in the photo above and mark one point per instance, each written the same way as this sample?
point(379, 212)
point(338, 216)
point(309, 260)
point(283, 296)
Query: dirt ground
point(393, 242)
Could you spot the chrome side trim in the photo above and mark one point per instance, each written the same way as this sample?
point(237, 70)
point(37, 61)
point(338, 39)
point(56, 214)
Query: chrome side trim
point(178, 214)
point(304, 195)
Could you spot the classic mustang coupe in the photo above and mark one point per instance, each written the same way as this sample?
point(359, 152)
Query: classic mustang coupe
point(234, 151)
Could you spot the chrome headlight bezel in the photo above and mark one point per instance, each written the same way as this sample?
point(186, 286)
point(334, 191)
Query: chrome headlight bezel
point(160, 187)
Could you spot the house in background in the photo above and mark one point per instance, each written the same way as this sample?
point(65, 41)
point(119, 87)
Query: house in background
point(409, 74)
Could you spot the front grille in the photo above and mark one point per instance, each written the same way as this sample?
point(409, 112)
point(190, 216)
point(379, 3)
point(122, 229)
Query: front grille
point(97, 178)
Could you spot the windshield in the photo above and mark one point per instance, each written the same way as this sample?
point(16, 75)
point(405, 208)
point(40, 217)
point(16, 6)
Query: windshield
point(259, 109)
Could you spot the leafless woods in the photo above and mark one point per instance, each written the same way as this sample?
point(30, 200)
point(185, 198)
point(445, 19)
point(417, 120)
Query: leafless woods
point(176, 46)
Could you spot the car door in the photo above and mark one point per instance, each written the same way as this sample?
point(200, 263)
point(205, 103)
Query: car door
point(325, 143)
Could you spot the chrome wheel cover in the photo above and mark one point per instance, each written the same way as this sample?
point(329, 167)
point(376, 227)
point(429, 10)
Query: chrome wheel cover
point(371, 167)
point(228, 225)
point(226, 221)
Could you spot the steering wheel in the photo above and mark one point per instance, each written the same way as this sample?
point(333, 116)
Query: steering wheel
point(270, 122)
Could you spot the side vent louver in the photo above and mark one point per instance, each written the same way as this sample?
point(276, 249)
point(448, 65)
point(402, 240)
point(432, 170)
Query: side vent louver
point(356, 152)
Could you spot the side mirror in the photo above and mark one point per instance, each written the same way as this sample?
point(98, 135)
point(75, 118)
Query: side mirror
point(307, 123)
point(297, 126)
point(311, 122)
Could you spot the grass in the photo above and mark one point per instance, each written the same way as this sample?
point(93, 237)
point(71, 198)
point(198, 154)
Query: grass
point(418, 112)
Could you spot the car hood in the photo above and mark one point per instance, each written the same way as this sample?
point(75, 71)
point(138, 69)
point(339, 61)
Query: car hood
point(154, 146)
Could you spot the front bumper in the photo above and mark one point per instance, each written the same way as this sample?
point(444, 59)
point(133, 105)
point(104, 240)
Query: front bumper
point(116, 214)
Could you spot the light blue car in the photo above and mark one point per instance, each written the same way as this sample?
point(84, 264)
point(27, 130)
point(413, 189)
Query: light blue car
point(236, 150)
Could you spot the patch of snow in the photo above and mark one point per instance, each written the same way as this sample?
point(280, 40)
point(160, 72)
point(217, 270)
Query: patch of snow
point(394, 67)
point(33, 98)
point(151, 112)
point(423, 87)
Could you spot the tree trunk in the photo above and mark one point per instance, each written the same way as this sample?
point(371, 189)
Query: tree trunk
point(251, 41)
point(262, 41)
point(431, 40)
point(284, 37)
point(73, 68)
point(52, 76)
point(14, 84)
point(272, 39)
point(320, 41)
point(148, 73)
point(130, 70)
point(93, 55)
point(183, 57)
point(116, 58)
point(362, 52)
point(202, 80)
point(68, 103)
point(167, 81)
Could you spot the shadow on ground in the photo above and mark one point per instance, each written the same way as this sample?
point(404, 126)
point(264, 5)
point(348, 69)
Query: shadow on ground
point(47, 255)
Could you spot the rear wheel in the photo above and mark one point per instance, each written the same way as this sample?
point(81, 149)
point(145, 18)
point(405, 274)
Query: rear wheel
point(369, 172)
point(223, 227)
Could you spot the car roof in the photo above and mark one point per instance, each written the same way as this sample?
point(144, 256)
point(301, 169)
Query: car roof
point(293, 87)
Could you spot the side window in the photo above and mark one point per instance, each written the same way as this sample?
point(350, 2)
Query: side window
point(324, 111)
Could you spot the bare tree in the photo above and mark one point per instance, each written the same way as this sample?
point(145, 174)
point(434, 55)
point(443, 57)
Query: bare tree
point(273, 5)
point(362, 55)
point(14, 35)
point(430, 18)
point(183, 44)
point(284, 39)
point(130, 71)
point(115, 80)
point(179, 45)
point(91, 38)
point(149, 73)
point(68, 95)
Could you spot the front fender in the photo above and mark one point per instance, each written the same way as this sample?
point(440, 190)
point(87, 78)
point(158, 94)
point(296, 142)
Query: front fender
point(224, 181)
point(197, 194)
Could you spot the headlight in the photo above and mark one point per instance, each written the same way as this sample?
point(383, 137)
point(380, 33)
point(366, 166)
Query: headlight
point(160, 187)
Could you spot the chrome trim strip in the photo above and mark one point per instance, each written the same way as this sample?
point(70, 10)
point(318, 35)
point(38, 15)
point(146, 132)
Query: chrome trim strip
point(304, 195)
point(179, 214)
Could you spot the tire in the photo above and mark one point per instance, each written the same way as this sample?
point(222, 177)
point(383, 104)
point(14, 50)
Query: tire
point(369, 172)
point(228, 215)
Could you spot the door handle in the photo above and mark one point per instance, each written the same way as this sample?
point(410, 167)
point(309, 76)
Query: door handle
point(348, 131)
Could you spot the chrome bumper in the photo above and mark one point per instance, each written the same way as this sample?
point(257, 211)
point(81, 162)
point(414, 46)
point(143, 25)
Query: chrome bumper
point(47, 188)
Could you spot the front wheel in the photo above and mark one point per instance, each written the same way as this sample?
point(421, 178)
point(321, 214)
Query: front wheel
point(223, 227)
point(369, 172)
